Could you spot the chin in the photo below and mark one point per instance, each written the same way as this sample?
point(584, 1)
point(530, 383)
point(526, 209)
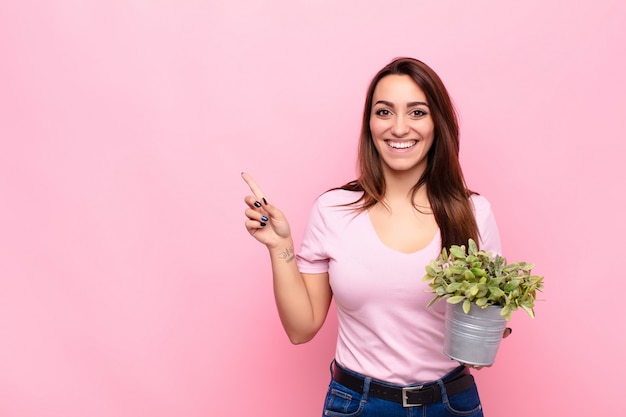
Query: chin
point(406, 168)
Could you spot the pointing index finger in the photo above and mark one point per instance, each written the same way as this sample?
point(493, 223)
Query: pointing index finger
point(253, 185)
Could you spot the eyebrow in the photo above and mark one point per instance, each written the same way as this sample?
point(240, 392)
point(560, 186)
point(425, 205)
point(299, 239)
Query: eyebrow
point(410, 104)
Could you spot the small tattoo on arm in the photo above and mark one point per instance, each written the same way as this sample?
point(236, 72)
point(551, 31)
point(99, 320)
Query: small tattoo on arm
point(287, 255)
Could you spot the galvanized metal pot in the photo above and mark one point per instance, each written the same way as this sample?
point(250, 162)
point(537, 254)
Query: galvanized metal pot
point(473, 338)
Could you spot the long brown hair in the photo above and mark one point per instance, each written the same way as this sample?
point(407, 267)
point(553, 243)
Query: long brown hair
point(447, 191)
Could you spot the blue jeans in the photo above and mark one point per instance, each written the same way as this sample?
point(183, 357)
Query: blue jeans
point(343, 402)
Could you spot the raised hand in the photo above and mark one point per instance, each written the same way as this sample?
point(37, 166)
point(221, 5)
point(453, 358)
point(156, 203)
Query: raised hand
point(265, 223)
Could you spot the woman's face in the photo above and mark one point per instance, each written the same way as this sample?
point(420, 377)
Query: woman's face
point(401, 125)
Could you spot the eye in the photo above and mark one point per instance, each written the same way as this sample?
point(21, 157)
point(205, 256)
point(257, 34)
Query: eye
point(382, 112)
point(417, 113)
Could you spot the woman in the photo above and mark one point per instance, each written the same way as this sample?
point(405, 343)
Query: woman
point(367, 244)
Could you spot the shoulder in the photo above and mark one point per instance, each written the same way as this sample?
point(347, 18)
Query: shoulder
point(338, 197)
point(335, 206)
point(482, 209)
point(487, 225)
point(481, 204)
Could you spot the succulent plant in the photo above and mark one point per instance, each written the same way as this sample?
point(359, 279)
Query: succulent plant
point(473, 276)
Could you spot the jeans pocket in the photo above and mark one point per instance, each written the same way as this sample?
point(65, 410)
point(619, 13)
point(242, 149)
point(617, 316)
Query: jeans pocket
point(342, 402)
point(466, 403)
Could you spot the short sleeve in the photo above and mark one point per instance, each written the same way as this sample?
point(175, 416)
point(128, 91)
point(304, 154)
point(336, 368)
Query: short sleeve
point(312, 257)
point(487, 226)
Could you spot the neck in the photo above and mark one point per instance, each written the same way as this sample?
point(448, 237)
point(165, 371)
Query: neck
point(399, 186)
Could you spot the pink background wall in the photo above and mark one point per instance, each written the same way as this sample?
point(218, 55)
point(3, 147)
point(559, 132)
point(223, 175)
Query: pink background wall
point(128, 284)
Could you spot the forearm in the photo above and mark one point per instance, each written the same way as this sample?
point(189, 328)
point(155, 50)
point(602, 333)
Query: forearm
point(293, 301)
point(302, 301)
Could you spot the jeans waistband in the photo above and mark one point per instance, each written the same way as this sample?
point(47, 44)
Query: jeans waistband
point(414, 395)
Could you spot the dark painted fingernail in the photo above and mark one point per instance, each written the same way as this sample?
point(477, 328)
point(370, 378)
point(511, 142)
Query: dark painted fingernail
point(257, 204)
point(264, 218)
point(264, 201)
point(263, 224)
point(510, 330)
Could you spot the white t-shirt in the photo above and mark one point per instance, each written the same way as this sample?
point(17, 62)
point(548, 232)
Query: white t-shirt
point(385, 329)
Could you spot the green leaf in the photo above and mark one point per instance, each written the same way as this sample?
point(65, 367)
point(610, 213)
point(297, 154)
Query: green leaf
point(481, 302)
point(456, 299)
point(458, 251)
point(466, 306)
point(496, 292)
point(528, 310)
point(467, 274)
point(506, 312)
point(431, 302)
point(474, 290)
point(511, 286)
point(478, 272)
point(453, 270)
point(473, 248)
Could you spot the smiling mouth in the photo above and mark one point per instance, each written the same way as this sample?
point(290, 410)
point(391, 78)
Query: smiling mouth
point(401, 145)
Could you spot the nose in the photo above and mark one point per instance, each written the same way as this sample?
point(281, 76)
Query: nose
point(400, 126)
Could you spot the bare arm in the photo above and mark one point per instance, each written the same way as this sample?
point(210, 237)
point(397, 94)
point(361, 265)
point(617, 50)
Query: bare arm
point(302, 300)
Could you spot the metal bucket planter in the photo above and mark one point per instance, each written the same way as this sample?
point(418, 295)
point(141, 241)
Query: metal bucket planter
point(473, 338)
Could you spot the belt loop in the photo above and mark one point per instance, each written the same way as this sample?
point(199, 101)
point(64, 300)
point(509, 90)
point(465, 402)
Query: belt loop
point(332, 365)
point(442, 389)
point(366, 388)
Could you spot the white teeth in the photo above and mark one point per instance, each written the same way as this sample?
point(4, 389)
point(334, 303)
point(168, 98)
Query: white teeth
point(402, 145)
